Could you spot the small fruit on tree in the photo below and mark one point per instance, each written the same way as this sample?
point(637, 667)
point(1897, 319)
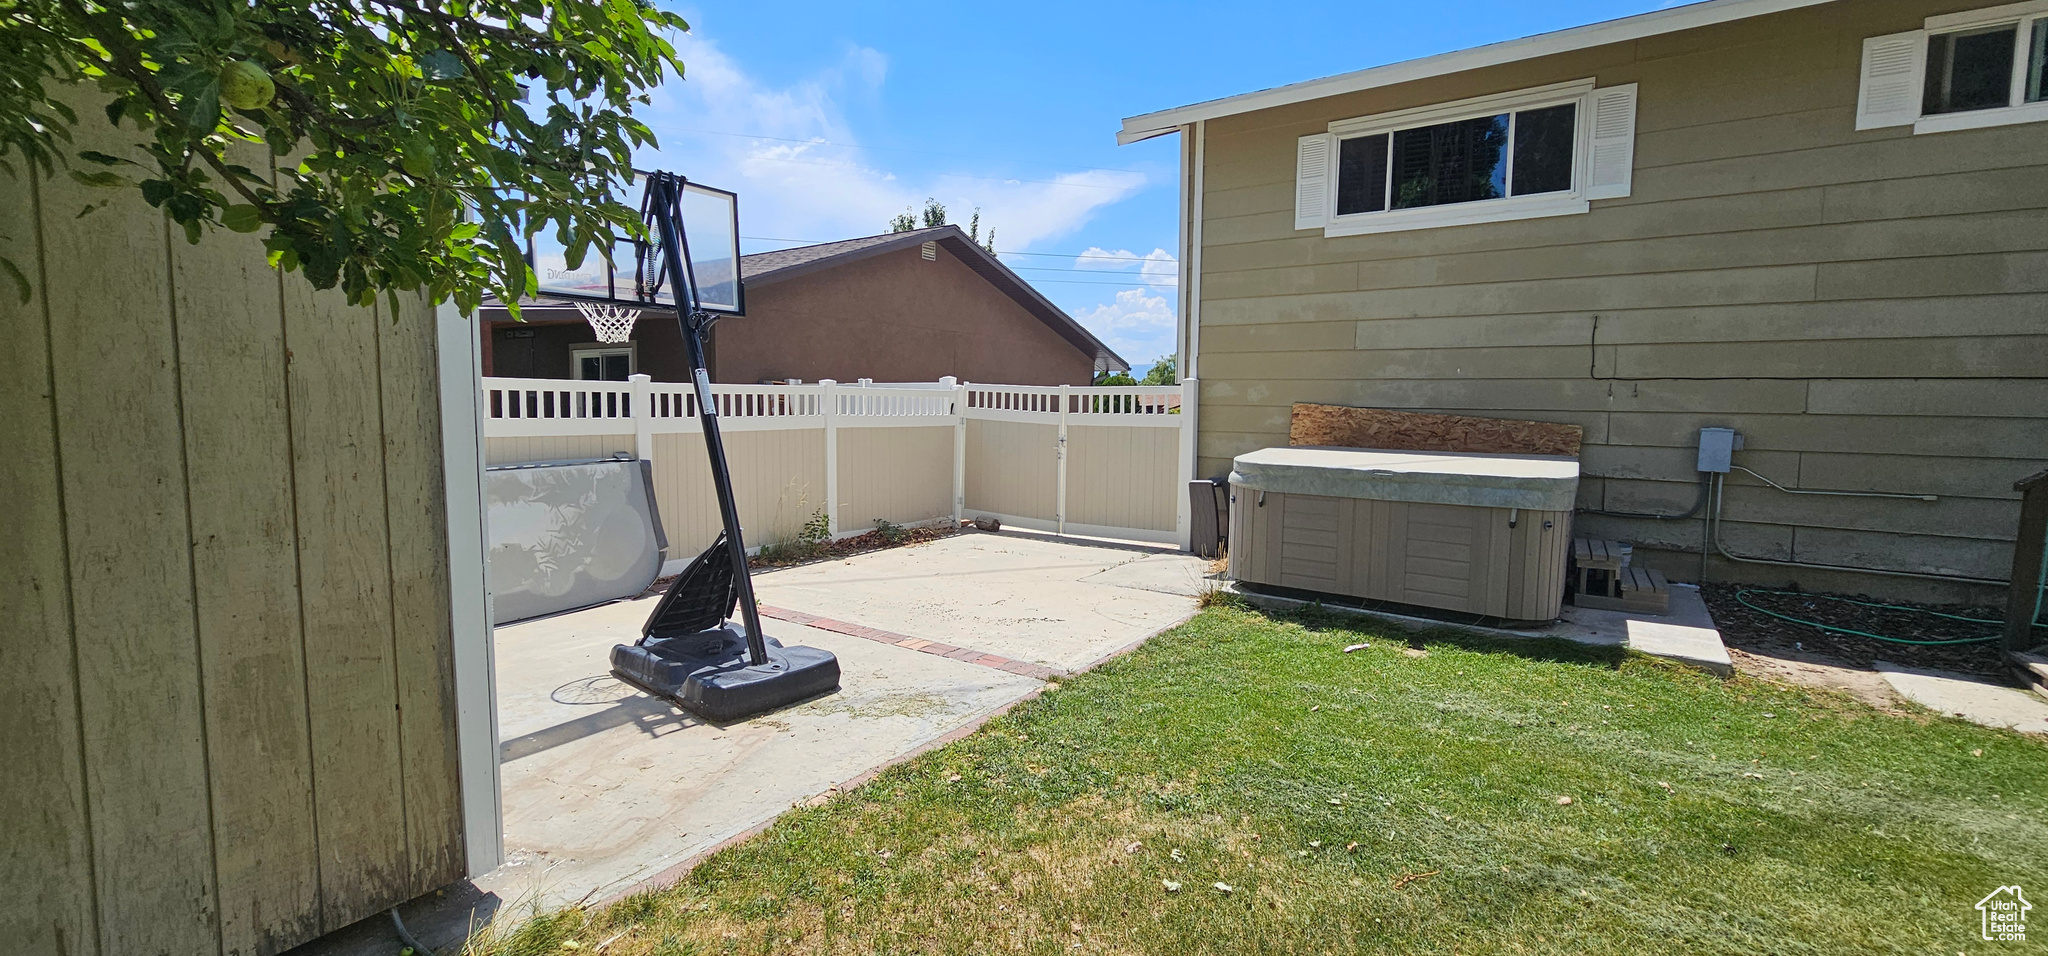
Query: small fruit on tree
point(246, 86)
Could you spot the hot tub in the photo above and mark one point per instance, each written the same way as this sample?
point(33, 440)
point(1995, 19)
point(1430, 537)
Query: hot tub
point(1480, 533)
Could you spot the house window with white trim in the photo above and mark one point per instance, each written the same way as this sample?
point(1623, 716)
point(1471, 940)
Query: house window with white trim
point(1537, 152)
point(610, 364)
point(1959, 71)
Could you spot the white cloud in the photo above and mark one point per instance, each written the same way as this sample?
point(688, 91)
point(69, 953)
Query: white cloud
point(1158, 268)
point(1140, 326)
point(795, 183)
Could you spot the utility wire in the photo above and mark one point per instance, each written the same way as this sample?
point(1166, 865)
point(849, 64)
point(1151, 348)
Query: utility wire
point(1097, 271)
point(1120, 285)
point(1051, 255)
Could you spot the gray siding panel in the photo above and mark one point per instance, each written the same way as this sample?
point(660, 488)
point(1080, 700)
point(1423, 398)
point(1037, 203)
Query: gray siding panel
point(1869, 308)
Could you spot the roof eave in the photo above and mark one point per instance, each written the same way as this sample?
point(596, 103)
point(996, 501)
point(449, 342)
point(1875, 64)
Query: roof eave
point(913, 237)
point(965, 248)
point(1707, 13)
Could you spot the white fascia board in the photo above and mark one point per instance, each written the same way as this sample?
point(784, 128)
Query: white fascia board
point(1637, 27)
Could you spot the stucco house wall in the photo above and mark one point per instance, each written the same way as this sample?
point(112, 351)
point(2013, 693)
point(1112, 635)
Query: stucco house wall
point(1870, 309)
point(894, 317)
point(845, 311)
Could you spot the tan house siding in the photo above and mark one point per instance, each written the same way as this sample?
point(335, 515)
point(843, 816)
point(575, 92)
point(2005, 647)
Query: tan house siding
point(893, 318)
point(1869, 309)
point(226, 654)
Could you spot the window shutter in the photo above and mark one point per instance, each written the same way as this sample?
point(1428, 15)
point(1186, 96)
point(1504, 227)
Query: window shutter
point(1889, 94)
point(1611, 159)
point(1315, 162)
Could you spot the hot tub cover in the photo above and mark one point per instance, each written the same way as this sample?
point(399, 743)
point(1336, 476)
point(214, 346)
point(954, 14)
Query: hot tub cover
point(1534, 482)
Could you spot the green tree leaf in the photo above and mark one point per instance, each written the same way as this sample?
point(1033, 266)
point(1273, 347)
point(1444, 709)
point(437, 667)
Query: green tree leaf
point(441, 65)
point(390, 123)
point(242, 218)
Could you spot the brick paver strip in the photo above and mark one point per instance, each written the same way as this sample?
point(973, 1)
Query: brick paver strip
point(879, 636)
point(676, 872)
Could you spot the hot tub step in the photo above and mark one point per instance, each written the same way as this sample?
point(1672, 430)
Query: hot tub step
point(1593, 554)
point(1642, 591)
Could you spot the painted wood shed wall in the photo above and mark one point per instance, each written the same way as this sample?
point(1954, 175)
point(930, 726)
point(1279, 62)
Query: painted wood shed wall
point(226, 675)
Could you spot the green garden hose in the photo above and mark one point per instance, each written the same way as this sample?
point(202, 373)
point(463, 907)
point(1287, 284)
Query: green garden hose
point(1742, 598)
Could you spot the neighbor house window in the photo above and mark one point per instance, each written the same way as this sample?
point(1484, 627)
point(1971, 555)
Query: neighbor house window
point(1961, 71)
point(1512, 156)
point(602, 365)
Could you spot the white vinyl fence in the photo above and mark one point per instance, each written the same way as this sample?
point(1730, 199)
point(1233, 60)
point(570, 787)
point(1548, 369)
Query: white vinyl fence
point(1110, 461)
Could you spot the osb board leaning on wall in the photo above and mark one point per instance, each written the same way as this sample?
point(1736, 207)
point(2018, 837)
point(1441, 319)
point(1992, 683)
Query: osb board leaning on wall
point(1344, 426)
point(225, 647)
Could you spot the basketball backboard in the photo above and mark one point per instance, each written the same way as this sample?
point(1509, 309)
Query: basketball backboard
point(711, 238)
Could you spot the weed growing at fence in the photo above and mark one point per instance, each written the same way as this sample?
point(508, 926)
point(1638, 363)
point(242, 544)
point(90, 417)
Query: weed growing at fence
point(807, 545)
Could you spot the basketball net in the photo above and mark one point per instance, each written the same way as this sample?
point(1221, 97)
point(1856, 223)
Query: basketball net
point(612, 324)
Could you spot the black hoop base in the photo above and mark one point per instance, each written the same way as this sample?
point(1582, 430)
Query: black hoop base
point(708, 673)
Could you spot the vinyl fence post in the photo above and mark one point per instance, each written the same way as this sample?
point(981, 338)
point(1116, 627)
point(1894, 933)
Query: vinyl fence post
point(1060, 497)
point(643, 416)
point(1183, 524)
point(959, 447)
point(829, 389)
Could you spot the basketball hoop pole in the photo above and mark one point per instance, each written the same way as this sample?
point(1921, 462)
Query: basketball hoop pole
point(665, 210)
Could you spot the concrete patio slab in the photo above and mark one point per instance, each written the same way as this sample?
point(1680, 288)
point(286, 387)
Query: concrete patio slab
point(1967, 697)
point(607, 790)
point(605, 787)
point(1685, 633)
point(1029, 598)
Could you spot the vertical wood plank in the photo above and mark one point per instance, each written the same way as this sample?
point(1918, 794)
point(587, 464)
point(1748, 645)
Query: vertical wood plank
point(46, 884)
point(1549, 585)
point(238, 459)
point(1492, 582)
point(1355, 547)
point(1395, 541)
point(114, 360)
point(1371, 532)
point(1523, 564)
point(415, 493)
point(1344, 577)
point(345, 577)
point(1239, 541)
point(1272, 534)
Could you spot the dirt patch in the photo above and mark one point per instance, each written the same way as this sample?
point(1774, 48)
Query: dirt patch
point(811, 553)
point(1792, 649)
point(1818, 671)
point(895, 536)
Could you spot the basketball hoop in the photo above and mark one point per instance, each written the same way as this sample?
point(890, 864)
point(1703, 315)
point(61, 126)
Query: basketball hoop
point(612, 324)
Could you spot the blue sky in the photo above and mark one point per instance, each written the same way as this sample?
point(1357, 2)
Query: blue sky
point(829, 118)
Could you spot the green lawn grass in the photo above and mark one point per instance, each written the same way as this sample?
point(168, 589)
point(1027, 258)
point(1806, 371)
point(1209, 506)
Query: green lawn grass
point(1404, 798)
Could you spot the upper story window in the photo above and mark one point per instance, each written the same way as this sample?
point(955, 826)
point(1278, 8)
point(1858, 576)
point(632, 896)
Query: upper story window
point(1960, 71)
point(1538, 152)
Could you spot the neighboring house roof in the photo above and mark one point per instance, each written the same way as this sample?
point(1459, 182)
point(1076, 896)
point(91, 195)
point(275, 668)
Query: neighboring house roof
point(1687, 17)
point(768, 268)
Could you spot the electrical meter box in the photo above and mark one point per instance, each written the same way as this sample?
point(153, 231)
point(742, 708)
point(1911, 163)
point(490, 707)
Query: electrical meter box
point(1717, 448)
